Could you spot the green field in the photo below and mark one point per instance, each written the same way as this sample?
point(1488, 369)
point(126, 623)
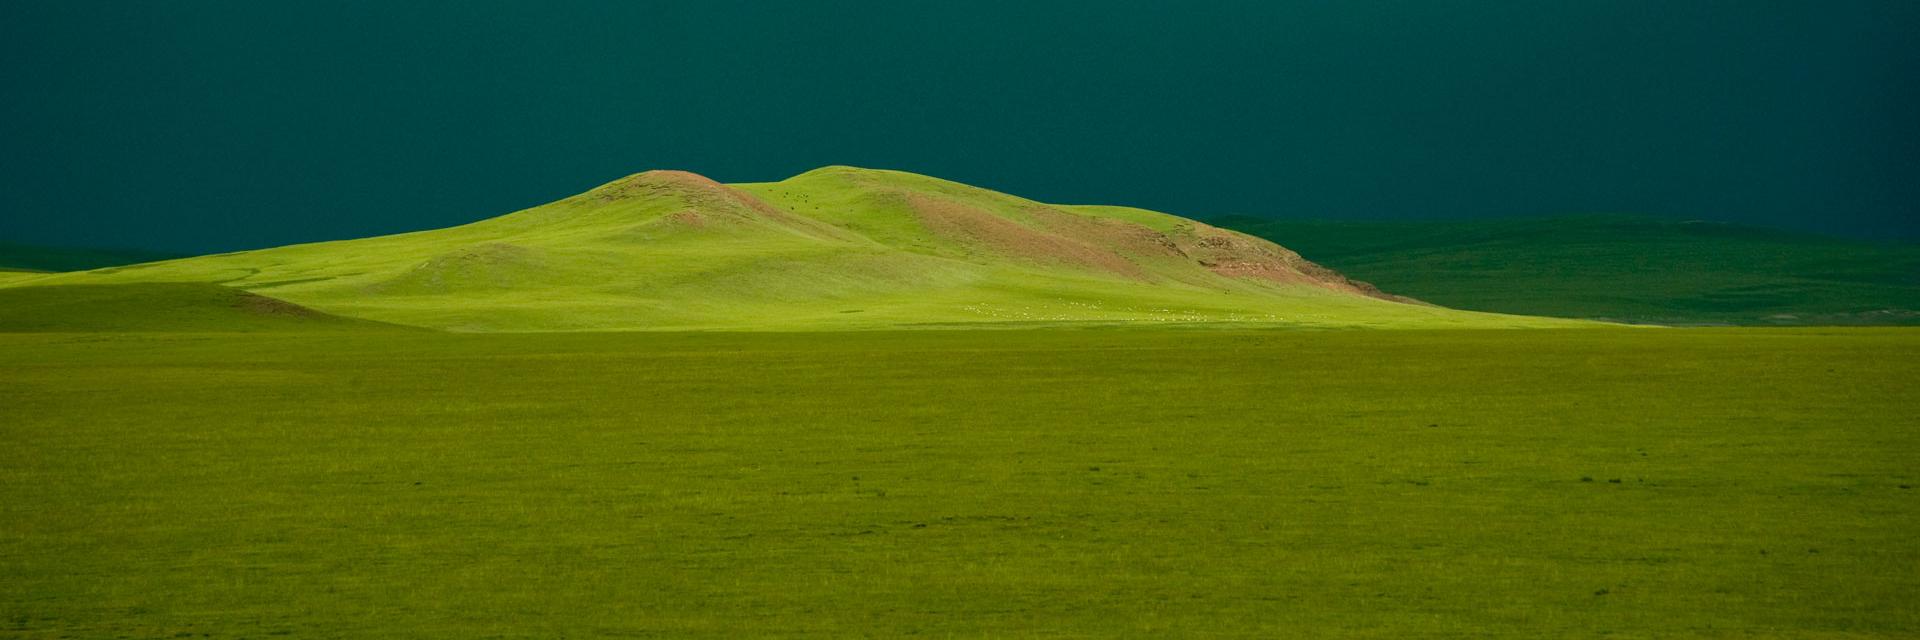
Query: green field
point(1619, 268)
point(1095, 483)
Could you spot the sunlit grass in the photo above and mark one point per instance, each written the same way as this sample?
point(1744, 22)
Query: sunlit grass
point(1107, 483)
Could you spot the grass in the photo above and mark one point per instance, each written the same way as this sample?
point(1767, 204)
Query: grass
point(1619, 268)
point(834, 248)
point(1095, 483)
point(18, 277)
point(159, 307)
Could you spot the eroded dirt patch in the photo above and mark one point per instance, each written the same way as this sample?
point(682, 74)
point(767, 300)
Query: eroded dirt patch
point(1239, 255)
point(1123, 236)
point(979, 229)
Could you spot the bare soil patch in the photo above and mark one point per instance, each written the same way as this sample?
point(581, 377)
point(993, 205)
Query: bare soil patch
point(1242, 256)
point(976, 228)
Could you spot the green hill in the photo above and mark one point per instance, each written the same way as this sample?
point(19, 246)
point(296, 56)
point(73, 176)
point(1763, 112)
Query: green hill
point(159, 307)
point(1619, 268)
point(837, 247)
point(25, 257)
point(19, 277)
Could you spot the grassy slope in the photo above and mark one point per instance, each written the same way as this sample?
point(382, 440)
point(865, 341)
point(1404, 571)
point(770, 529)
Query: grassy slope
point(23, 257)
point(159, 306)
point(1619, 267)
point(19, 277)
point(837, 247)
point(1118, 484)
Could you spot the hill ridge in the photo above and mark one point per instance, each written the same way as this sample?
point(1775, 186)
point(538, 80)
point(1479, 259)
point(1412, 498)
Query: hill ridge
point(835, 247)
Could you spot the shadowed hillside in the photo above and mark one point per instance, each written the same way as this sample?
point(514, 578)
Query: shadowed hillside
point(837, 247)
point(1619, 268)
point(159, 307)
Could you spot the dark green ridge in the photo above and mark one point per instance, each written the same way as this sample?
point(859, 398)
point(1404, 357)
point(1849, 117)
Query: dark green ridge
point(27, 257)
point(1618, 267)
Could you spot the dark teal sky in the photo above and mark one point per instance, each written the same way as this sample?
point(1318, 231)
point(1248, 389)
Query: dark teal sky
point(210, 126)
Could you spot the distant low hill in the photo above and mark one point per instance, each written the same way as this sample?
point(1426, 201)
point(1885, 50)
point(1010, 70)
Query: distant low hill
point(838, 247)
point(26, 257)
point(1619, 268)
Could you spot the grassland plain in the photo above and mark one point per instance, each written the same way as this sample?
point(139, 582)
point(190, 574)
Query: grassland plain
point(833, 248)
point(1621, 268)
point(1095, 483)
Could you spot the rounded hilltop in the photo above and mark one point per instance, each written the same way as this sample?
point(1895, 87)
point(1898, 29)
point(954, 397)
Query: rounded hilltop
point(655, 181)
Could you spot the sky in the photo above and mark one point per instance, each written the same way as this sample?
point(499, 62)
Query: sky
point(201, 126)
